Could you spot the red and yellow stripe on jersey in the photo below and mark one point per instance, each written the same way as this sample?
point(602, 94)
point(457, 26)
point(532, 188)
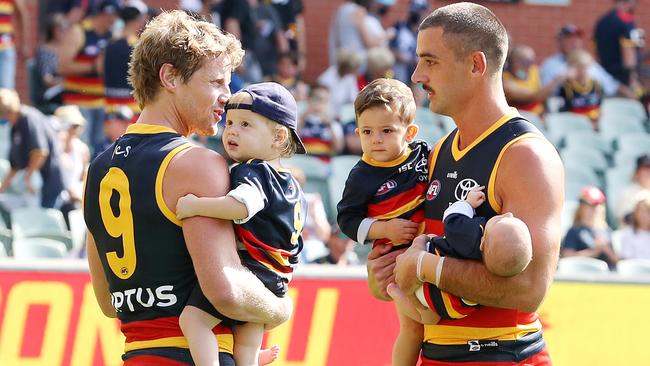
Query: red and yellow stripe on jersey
point(7, 8)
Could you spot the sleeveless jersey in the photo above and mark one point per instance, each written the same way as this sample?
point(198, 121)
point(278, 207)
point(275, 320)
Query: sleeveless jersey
point(87, 90)
point(116, 66)
point(140, 241)
point(582, 99)
point(7, 8)
point(385, 191)
point(487, 334)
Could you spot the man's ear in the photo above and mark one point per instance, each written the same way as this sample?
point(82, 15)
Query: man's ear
point(479, 63)
point(411, 132)
point(356, 131)
point(168, 77)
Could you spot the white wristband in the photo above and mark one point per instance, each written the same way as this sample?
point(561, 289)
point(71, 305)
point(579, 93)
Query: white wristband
point(441, 262)
point(418, 267)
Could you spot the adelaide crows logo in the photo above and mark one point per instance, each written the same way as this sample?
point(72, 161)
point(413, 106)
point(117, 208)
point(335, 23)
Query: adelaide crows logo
point(388, 186)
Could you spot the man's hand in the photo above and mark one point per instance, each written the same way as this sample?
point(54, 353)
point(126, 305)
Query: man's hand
point(400, 231)
point(406, 265)
point(476, 196)
point(380, 266)
point(185, 206)
point(286, 304)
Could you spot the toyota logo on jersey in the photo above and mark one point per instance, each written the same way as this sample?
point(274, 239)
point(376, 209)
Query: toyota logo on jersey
point(434, 189)
point(463, 188)
point(386, 187)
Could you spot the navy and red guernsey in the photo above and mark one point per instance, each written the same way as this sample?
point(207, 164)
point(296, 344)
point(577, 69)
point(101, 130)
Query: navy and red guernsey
point(272, 235)
point(383, 191)
point(487, 335)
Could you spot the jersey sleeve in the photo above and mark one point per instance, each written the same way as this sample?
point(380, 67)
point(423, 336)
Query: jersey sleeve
point(250, 186)
point(352, 209)
point(463, 235)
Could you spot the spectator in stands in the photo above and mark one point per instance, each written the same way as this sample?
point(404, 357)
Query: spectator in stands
point(341, 250)
point(270, 40)
point(320, 133)
point(34, 147)
point(237, 17)
point(380, 61)
point(590, 236)
point(117, 54)
point(211, 11)
point(49, 83)
point(8, 10)
point(618, 41)
point(639, 185)
point(404, 41)
point(293, 23)
point(581, 93)
point(287, 74)
point(569, 39)
point(81, 66)
point(353, 30)
point(636, 238)
point(75, 156)
point(341, 81)
point(521, 81)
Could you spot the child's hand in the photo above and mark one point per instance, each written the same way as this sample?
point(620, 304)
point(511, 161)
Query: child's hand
point(401, 231)
point(185, 206)
point(476, 197)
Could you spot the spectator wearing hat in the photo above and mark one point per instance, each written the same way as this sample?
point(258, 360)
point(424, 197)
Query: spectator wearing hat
point(569, 39)
point(590, 236)
point(8, 10)
point(81, 66)
point(117, 54)
point(635, 239)
point(75, 156)
point(34, 148)
point(639, 185)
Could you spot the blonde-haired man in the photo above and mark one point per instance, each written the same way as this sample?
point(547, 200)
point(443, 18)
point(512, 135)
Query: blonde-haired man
point(180, 70)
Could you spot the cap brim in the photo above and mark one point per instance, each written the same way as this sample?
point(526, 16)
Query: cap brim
point(300, 147)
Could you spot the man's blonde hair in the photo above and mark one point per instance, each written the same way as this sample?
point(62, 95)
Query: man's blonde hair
point(9, 102)
point(390, 93)
point(180, 40)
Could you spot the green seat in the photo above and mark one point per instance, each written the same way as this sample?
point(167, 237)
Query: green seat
point(5, 238)
point(578, 265)
point(77, 230)
point(623, 107)
point(580, 173)
point(341, 166)
point(586, 138)
point(560, 124)
point(31, 248)
point(589, 157)
point(568, 213)
point(316, 173)
point(633, 143)
point(633, 267)
point(29, 222)
point(613, 126)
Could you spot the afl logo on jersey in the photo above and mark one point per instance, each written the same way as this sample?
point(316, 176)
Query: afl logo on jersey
point(434, 189)
point(463, 188)
point(388, 186)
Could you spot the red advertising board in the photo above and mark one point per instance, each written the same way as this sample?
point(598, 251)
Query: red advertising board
point(52, 318)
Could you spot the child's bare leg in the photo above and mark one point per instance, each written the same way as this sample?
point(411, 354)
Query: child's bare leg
point(248, 340)
point(268, 355)
point(406, 349)
point(197, 326)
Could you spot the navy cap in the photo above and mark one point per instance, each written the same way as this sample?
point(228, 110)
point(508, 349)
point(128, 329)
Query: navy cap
point(109, 7)
point(276, 103)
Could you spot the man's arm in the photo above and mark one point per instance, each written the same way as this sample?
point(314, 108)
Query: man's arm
point(98, 279)
point(529, 184)
point(232, 289)
point(22, 12)
point(68, 51)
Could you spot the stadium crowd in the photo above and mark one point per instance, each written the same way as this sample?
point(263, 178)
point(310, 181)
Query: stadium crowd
point(593, 106)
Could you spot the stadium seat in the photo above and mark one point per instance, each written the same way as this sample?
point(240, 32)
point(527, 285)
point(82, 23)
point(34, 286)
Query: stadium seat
point(581, 173)
point(623, 107)
point(633, 267)
point(4, 167)
point(5, 237)
point(30, 248)
point(430, 132)
point(28, 222)
point(3, 253)
point(77, 230)
point(626, 160)
point(568, 213)
point(577, 265)
point(589, 157)
point(341, 166)
point(588, 139)
point(572, 189)
point(316, 174)
point(347, 114)
point(559, 124)
point(613, 126)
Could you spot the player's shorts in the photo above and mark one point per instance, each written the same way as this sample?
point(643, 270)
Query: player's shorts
point(169, 357)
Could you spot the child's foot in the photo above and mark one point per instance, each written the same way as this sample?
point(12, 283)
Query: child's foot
point(267, 356)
